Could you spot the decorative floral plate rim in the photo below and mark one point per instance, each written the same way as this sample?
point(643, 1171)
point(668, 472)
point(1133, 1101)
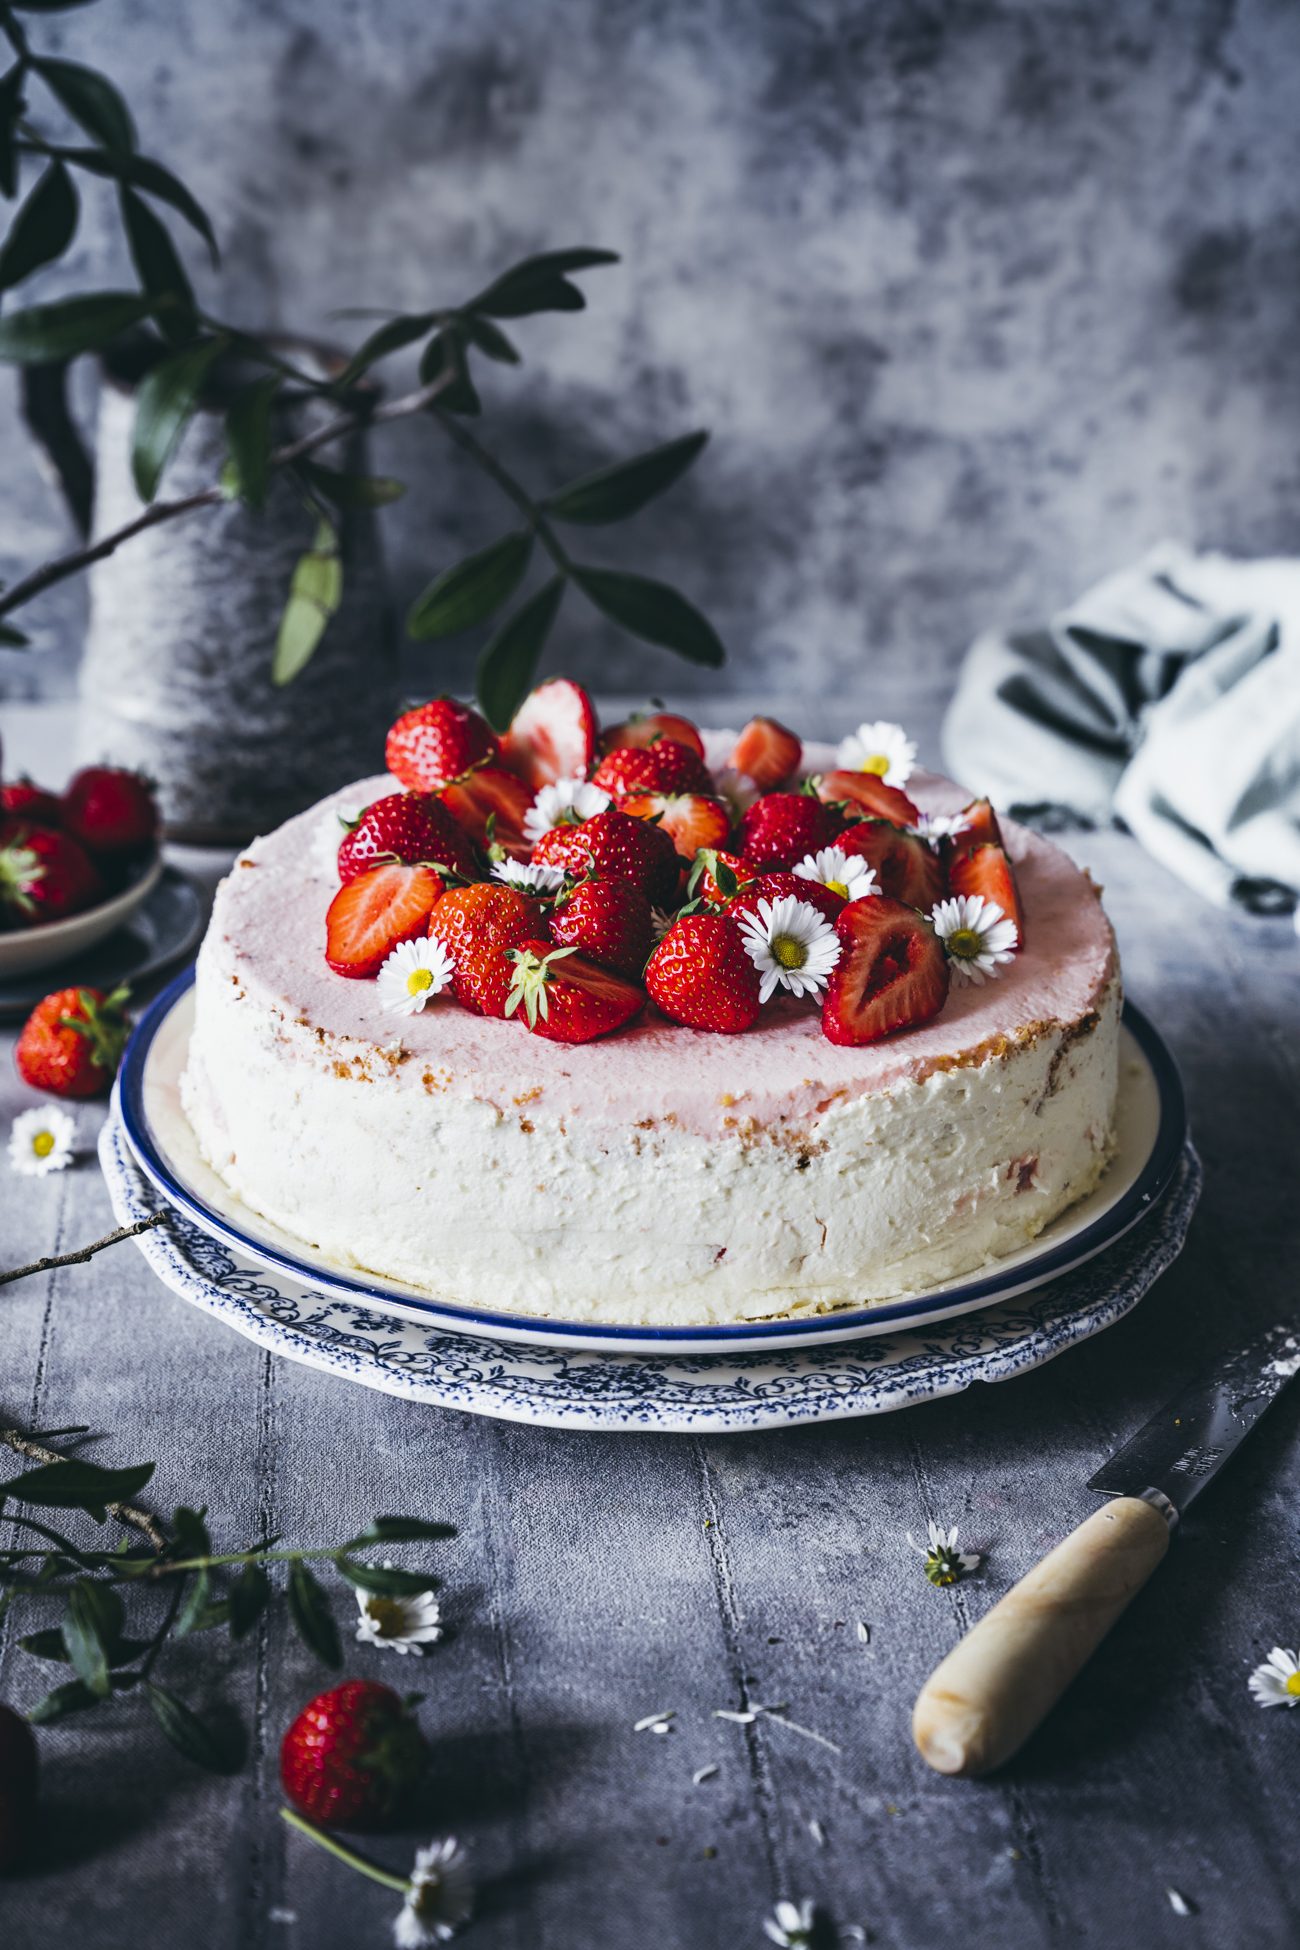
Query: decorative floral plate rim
point(705, 1394)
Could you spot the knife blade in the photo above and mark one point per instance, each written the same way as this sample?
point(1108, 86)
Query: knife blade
point(1181, 1449)
point(996, 1685)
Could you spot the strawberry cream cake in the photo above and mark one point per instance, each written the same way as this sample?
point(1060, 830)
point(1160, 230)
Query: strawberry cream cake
point(654, 1027)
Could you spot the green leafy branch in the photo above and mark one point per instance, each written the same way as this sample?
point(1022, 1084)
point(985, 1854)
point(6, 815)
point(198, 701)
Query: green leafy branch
point(185, 348)
point(205, 1589)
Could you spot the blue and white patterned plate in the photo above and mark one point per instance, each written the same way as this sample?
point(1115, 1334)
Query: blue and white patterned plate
point(718, 1394)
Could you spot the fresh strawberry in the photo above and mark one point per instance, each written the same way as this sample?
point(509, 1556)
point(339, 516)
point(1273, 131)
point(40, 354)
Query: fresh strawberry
point(982, 829)
point(375, 913)
point(478, 926)
point(618, 848)
point(490, 804)
point(766, 753)
point(410, 827)
point(23, 800)
point(690, 820)
point(112, 812)
point(781, 828)
point(988, 871)
point(44, 875)
point(72, 1042)
point(566, 998)
point(649, 728)
point(869, 794)
point(664, 766)
point(552, 735)
point(609, 920)
point(17, 1787)
point(775, 887)
point(352, 1756)
point(438, 742)
point(716, 876)
point(893, 973)
point(907, 869)
point(701, 975)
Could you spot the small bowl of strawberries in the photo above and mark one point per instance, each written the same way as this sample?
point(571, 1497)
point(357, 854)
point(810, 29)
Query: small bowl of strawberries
point(74, 865)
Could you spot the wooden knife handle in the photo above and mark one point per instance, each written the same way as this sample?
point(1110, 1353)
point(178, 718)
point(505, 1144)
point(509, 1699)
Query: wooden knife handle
point(993, 1689)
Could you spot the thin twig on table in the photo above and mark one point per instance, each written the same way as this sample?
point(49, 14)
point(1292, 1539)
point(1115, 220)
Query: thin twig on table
point(126, 1513)
point(52, 1260)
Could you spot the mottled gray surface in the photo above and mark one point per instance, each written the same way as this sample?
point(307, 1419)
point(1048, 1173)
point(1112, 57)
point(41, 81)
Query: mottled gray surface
point(980, 299)
point(597, 1579)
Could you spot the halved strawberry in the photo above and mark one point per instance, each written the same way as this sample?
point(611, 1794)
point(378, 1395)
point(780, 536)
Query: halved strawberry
point(892, 974)
point(565, 997)
point(716, 876)
point(609, 920)
point(478, 926)
point(491, 794)
point(664, 766)
point(776, 886)
point(375, 913)
point(701, 975)
point(988, 871)
point(436, 742)
point(766, 753)
point(552, 735)
point(870, 794)
point(906, 868)
point(617, 848)
point(982, 829)
point(781, 828)
point(406, 826)
point(649, 728)
point(690, 819)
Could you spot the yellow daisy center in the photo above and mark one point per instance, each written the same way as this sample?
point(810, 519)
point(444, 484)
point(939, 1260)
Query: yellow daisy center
point(1293, 1684)
point(877, 762)
point(388, 1617)
point(965, 943)
point(43, 1143)
point(838, 887)
point(418, 980)
point(789, 952)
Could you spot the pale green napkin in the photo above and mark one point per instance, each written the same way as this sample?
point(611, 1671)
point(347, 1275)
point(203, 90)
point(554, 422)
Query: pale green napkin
point(1167, 697)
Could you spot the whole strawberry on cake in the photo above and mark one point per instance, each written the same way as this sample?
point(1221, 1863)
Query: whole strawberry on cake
point(655, 1026)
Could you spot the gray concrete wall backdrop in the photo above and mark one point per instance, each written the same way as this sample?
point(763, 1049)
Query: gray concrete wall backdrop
point(979, 299)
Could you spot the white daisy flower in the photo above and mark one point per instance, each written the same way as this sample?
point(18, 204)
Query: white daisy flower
point(398, 1624)
point(792, 1925)
point(439, 1897)
point(528, 878)
point(844, 873)
point(1277, 1681)
point(660, 922)
point(739, 791)
point(935, 828)
point(791, 945)
point(944, 1563)
point(882, 748)
point(976, 935)
point(41, 1140)
point(414, 973)
point(331, 831)
point(566, 803)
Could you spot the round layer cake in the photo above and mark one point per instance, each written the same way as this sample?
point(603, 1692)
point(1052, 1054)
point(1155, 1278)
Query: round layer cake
point(662, 1175)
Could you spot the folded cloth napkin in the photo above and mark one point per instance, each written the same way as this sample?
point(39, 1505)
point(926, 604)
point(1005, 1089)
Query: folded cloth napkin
point(1168, 697)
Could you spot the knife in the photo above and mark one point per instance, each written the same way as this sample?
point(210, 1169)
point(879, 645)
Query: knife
point(979, 1706)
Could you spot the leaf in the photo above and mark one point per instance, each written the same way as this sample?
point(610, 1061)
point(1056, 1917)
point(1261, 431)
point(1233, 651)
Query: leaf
point(50, 1645)
point(248, 1599)
point(11, 639)
point(309, 1608)
point(352, 490)
point(539, 284)
point(77, 1485)
point(614, 493)
point(400, 1530)
point(506, 667)
point(191, 1537)
point(164, 406)
point(386, 1581)
point(73, 1696)
point(446, 354)
point(473, 589)
point(653, 611)
point(186, 1730)
point(389, 337)
point(11, 107)
point(144, 174)
point(489, 338)
point(248, 430)
point(194, 1606)
point(314, 595)
point(74, 325)
point(91, 99)
point(90, 1624)
point(157, 264)
point(44, 227)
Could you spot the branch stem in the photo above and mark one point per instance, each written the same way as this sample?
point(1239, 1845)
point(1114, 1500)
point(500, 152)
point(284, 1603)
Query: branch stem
point(469, 443)
point(83, 1253)
point(126, 1513)
point(353, 1860)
